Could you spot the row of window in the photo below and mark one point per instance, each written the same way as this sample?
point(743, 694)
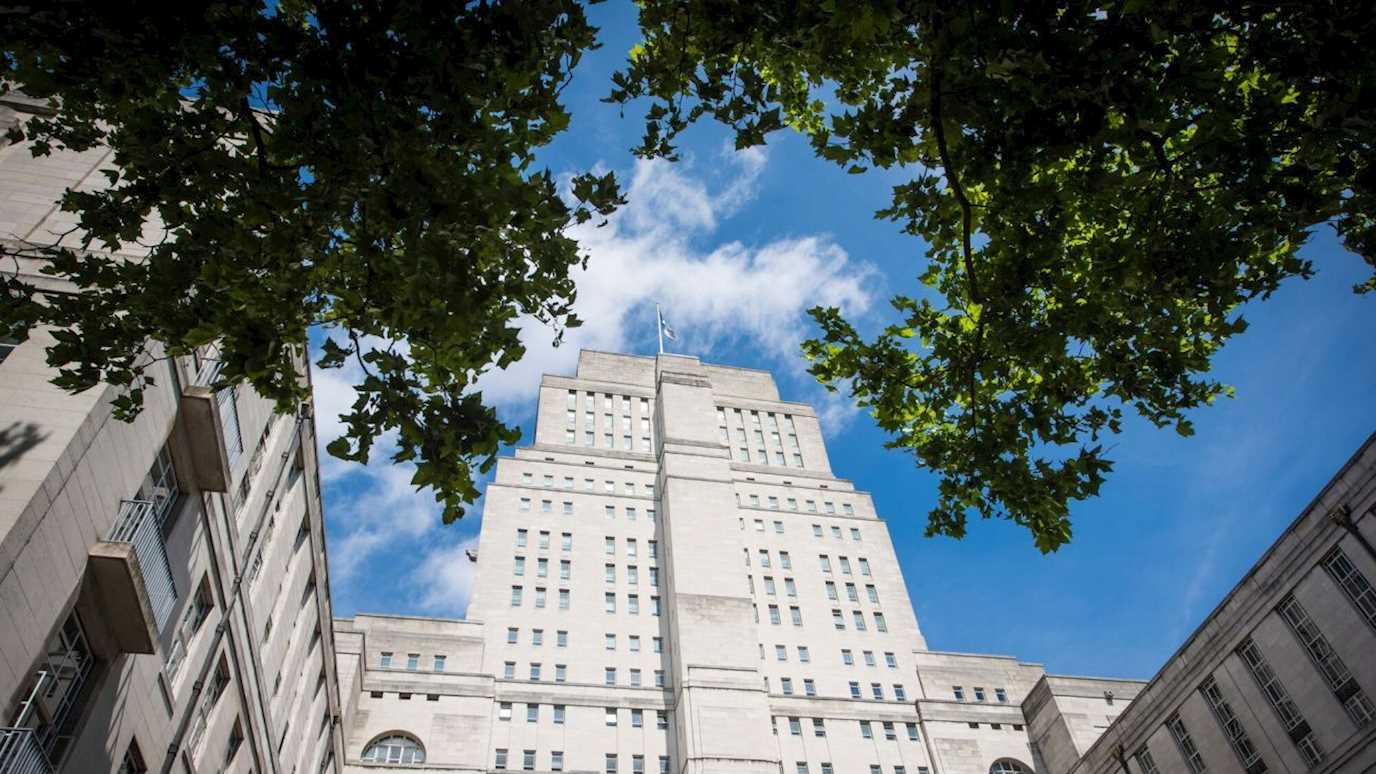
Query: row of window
point(565, 540)
point(541, 595)
point(753, 501)
point(566, 508)
point(386, 657)
point(518, 567)
point(888, 728)
point(1000, 695)
point(1334, 671)
point(590, 485)
point(633, 642)
point(786, 688)
point(556, 761)
point(763, 556)
point(561, 674)
point(801, 768)
point(609, 422)
point(632, 574)
point(559, 712)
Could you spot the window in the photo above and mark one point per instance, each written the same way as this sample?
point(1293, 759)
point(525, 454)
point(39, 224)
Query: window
point(412, 662)
point(847, 658)
point(1237, 736)
point(877, 690)
point(809, 687)
point(784, 561)
point(525, 503)
point(825, 562)
point(1329, 664)
point(898, 693)
point(795, 727)
point(509, 670)
point(831, 591)
point(786, 685)
point(819, 727)
point(385, 660)
point(610, 717)
point(609, 602)
point(637, 718)
point(500, 761)
point(661, 720)
point(561, 639)
point(859, 619)
point(1145, 762)
point(532, 713)
point(610, 765)
point(1281, 703)
point(556, 760)
point(879, 623)
point(979, 694)
point(521, 536)
point(866, 732)
point(1353, 583)
point(804, 655)
point(892, 662)
point(535, 671)
point(394, 748)
point(516, 596)
point(566, 541)
point(912, 731)
point(1001, 695)
point(854, 689)
point(1186, 744)
point(609, 677)
point(958, 692)
point(774, 614)
point(563, 599)
point(635, 678)
point(561, 672)
point(889, 733)
point(1008, 766)
point(780, 652)
point(838, 620)
point(633, 604)
point(438, 665)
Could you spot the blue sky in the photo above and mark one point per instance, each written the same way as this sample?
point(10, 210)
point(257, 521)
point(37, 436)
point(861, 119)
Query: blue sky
point(737, 246)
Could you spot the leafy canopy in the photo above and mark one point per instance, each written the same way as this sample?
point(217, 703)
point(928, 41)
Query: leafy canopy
point(361, 167)
point(1100, 187)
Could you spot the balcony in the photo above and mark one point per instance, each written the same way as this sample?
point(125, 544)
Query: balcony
point(21, 753)
point(211, 418)
point(133, 578)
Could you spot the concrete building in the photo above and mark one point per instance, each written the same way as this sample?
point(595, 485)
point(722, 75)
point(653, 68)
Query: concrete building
point(163, 600)
point(670, 578)
point(1281, 677)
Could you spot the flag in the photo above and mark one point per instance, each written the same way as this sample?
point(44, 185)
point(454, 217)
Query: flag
point(668, 331)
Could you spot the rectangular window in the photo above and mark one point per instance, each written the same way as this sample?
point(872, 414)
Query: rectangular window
point(1241, 743)
point(385, 660)
point(1280, 701)
point(1329, 664)
point(1188, 750)
point(556, 760)
point(438, 665)
point(1145, 762)
point(866, 731)
point(559, 714)
point(1355, 585)
point(512, 633)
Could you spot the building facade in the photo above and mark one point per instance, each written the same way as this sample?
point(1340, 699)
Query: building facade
point(1281, 677)
point(671, 579)
point(163, 587)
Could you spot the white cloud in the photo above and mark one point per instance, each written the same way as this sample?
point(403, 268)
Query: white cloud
point(444, 579)
point(650, 251)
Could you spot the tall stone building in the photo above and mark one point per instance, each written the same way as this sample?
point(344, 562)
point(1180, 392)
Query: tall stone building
point(671, 579)
point(163, 586)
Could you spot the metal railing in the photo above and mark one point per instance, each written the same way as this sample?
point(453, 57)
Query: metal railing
point(20, 752)
point(138, 525)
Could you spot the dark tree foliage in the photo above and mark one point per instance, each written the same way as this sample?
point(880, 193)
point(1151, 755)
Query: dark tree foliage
point(1100, 187)
point(365, 168)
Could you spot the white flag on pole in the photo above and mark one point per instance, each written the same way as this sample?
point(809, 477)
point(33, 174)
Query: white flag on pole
point(668, 331)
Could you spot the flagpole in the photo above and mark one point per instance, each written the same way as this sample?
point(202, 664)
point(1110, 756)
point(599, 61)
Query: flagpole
point(659, 328)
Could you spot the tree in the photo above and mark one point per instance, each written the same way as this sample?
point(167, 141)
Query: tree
point(1100, 187)
point(364, 168)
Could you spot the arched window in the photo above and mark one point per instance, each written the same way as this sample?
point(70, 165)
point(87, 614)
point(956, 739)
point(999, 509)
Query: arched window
point(395, 748)
point(1008, 766)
